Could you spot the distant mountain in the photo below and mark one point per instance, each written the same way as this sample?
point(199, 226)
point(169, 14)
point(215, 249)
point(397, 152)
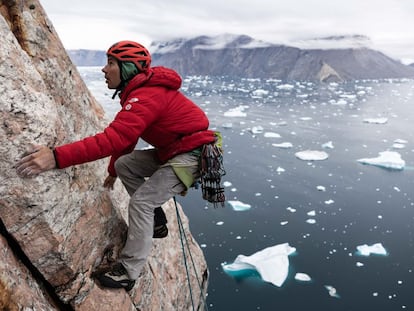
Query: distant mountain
point(240, 55)
point(87, 57)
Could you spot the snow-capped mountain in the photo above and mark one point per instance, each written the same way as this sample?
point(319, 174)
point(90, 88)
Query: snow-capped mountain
point(333, 58)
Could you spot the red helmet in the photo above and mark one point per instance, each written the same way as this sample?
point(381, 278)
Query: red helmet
point(131, 51)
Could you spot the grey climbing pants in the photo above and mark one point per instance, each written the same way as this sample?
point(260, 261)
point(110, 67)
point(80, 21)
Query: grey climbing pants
point(149, 184)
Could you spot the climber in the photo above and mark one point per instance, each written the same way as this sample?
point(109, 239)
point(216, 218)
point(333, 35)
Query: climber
point(152, 108)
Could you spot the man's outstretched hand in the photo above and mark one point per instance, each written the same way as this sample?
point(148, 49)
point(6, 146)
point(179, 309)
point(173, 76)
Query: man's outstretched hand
point(35, 161)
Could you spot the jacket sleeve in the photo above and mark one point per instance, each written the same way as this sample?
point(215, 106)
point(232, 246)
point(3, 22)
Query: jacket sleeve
point(119, 138)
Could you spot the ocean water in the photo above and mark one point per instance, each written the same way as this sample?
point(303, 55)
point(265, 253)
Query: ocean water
point(325, 209)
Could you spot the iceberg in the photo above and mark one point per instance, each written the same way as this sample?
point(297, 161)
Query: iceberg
point(366, 250)
point(332, 291)
point(302, 277)
point(387, 159)
point(311, 155)
point(239, 206)
point(271, 263)
point(271, 135)
point(236, 112)
point(257, 129)
point(376, 120)
point(284, 145)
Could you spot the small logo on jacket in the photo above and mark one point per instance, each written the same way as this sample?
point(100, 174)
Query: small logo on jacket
point(133, 100)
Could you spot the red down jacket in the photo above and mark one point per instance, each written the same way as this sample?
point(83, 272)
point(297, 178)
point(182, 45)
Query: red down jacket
point(153, 109)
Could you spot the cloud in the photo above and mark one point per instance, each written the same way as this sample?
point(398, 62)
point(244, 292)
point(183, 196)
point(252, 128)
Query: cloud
point(96, 23)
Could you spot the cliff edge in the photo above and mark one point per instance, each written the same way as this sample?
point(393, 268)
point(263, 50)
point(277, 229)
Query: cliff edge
point(58, 228)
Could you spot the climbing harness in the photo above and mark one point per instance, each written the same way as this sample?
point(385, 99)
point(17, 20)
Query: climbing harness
point(211, 171)
point(183, 238)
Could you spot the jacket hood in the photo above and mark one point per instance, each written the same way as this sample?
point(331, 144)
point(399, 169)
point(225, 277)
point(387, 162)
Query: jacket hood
point(155, 76)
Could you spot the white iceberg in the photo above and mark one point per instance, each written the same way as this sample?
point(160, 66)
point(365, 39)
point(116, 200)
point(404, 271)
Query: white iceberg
point(271, 263)
point(332, 291)
point(302, 277)
point(387, 159)
point(239, 206)
point(328, 145)
point(271, 135)
point(376, 120)
point(311, 155)
point(284, 145)
point(366, 250)
point(236, 112)
point(257, 129)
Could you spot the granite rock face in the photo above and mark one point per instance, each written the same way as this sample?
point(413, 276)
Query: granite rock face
point(59, 228)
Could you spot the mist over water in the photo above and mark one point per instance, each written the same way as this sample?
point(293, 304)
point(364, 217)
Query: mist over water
point(350, 203)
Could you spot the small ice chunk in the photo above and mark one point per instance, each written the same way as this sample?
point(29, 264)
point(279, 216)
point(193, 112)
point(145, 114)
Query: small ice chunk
point(220, 223)
point(359, 264)
point(227, 125)
point(271, 135)
point(311, 213)
point(398, 146)
point(329, 202)
point(311, 155)
point(284, 223)
point(311, 221)
point(239, 206)
point(328, 145)
point(302, 277)
point(284, 145)
point(286, 87)
point(236, 112)
point(376, 120)
point(271, 263)
point(366, 250)
point(386, 159)
point(332, 291)
point(291, 209)
point(257, 129)
point(321, 188)
point(280, 169)
point(400, 141)
point(227, 184)
point(260, 93)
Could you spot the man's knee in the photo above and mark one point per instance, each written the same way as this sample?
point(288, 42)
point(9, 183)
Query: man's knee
point(120, 165)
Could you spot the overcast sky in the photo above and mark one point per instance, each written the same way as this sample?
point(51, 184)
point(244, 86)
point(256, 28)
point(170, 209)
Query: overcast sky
point(96, 24)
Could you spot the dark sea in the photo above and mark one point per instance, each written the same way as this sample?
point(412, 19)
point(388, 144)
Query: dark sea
point(324, 208)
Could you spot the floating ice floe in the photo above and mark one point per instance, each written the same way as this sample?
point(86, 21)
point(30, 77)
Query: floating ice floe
point(376, 120)
point(271, 263)
point(284, 145)
point(227, 184)
point(328, 145)
point(260, 93)
point(271, 135)
point(257, 129)
point(302, 277)
point(286, 87)
point(387, 159)
point(366, 250)
point(236, 112)
point(321, 188)
point(332, 291)
point(311, 155)
point(227, 125)
point(239, 206)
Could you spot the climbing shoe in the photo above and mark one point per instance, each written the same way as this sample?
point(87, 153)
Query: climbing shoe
point(160, 224)
point(117, 277)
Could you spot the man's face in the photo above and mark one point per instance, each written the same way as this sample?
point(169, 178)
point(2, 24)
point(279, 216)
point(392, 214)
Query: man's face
point(112, 73)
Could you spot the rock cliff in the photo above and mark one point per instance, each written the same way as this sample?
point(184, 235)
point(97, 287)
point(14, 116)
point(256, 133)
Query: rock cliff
point(57, 229)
